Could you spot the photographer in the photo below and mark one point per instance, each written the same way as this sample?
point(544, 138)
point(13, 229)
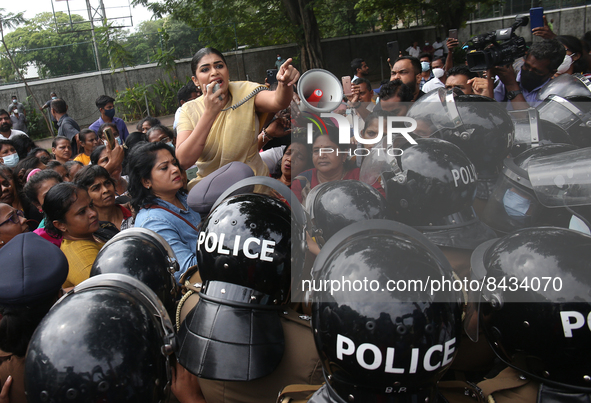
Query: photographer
point(541, 63)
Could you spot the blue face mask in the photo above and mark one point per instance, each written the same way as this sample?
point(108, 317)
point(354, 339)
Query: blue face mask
point(278, 57)
point(118, 140)
point(11, 160)
point(53, 97)
point(516, 206)
point(425, 66)
point(170, 145)
point(110, 113)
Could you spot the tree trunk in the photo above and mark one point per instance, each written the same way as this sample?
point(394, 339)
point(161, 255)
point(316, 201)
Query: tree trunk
point(301, 14)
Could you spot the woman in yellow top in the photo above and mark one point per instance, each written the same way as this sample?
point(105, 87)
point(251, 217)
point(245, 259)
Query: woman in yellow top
point(213, 136)
point(69, 212)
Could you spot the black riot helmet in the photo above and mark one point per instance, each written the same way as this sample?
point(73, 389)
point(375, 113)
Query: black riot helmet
point(384, 342)
point(566, 85)
point(244, 254)
point(513, 204)
point(109, 339)
point(331, 206)
point(478, 125)
point(531, 131)
point(431, 187)
point(572, 114)
point(144, 255)
point(539, 322)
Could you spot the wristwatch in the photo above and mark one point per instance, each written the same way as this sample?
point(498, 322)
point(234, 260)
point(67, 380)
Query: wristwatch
point(512, 94)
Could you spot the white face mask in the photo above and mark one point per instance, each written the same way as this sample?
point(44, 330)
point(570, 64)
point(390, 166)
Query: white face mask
point(566, 63)
point(438, 73)
point(11, 160)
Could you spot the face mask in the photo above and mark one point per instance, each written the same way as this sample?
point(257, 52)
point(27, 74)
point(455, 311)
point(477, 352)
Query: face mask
point(170, 145)
point(14, 101)
point(516, 206)
point(438, 73)
point(53, 97)
point(11, 160)
point(530, 80)
point(110, 113)
point(425, 66)
point(566, 63)
point(5, 127)
point(118, 140)
point(426, 43)
point(278, 57)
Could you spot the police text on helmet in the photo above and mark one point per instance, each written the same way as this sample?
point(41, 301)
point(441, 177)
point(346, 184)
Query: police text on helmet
point(427, 360)
point(465, 174)
point(211, 241)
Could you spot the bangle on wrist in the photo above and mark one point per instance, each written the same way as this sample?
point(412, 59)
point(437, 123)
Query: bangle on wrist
point(266, 136)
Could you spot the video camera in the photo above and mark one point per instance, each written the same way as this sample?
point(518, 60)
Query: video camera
point(506, 47)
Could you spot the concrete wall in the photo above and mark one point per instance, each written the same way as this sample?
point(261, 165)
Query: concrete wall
point(80, 91)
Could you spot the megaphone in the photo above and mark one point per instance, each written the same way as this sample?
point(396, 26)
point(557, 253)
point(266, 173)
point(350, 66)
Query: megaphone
point(320, 91)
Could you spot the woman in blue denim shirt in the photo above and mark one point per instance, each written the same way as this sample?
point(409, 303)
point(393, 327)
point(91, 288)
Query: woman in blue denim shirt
point(156, 189)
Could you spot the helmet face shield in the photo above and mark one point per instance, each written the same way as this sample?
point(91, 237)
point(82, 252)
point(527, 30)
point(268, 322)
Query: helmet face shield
point(566, 85)
point(531, 131)
point(563, 179)
point(562, 112)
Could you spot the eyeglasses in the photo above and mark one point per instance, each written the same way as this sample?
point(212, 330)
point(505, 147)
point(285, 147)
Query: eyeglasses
point(14, 217)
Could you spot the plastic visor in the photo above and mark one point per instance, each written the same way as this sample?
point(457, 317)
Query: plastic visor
point(558, 110)
point(566, 85)
point(526, 124)
point(381, 160)
point(562, 179)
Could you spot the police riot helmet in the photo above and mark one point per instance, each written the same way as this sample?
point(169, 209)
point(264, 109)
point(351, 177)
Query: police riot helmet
point(536, 312)
point(427, 111)
point(531, 131)
point(144, 255)
point(513, 204)
point(244, 254)
point(331, 206)
point(478, 125)
point(109, 339)
point(377, 343)
point(572, 114)
point(431, 187)
point(566, 85)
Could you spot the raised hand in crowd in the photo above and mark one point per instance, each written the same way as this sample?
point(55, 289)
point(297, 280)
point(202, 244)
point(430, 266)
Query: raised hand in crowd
point(483, 85)
point(544, 32)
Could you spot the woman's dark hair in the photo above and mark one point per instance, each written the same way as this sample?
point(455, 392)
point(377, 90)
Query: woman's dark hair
point(152, 121)
point(83, 133)
point(576, 46)
point(57, 202)
point(95, 155)
point(18, 323)
point(104, 126)
point(204, 52)
point(45, 159)
point(53, 164)
point(160, 128)
point(131, 141)
point(134, 138)
point(87, 175)
point(70, 164)
point(58, 139)
point(22, 144)
point(141, 161)
point(24, 167)
point(31, 188)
